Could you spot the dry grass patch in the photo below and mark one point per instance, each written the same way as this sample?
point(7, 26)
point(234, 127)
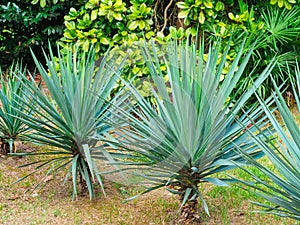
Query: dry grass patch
point(54, 205)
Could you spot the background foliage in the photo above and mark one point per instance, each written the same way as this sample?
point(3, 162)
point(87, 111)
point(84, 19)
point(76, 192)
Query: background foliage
point(112, 23)
point(25, 26)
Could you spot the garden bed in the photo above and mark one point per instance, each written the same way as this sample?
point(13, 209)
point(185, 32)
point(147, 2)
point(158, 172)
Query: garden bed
point(54, 205)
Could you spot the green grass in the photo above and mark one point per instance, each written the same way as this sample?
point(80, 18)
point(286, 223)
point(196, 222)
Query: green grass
point(54, 205)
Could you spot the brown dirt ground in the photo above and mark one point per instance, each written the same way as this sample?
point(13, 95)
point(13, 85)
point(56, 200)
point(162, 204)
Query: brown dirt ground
point(54, 205)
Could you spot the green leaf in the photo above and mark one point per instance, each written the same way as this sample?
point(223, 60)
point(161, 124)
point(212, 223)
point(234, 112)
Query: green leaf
point(182, 5)
point(86, 45)
point(104, 40)
point(141, 24)
point(88, 158)
point(118, 16)
point(216, 181)
point(133, 25)
point(201, 18)
point(74, 175)
point(208, 4)
point(42, 3)
point(70, 25)
point(73, 12)
point(94, 14)
point(34, 2)
point(220, 6)
point(231, 16)
point(183, 13)
point(187, 193)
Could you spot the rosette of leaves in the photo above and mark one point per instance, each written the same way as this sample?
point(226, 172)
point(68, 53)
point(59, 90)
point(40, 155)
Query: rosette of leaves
point(111, 9)
point(191, 133)
point(71, 117)
point(12, 128)
point(139, 17)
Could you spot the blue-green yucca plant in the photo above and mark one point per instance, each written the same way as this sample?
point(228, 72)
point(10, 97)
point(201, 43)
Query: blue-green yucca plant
point(11, 127)
point(281, 186)
point(191, 133)
point(71, 116)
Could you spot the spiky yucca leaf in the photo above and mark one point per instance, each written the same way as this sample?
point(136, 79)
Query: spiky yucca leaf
point(189, 136)
point(71, 116)
point(282, 189)
point(11, 127)
point(296, 85)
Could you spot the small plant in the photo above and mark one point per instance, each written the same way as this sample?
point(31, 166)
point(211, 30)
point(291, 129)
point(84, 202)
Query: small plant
point(12, 128)
point(71, 116)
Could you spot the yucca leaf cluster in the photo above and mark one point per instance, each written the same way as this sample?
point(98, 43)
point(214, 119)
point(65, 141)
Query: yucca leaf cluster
point(281, 186)
point(69, 114)
point(192, 132)
point(12, 127)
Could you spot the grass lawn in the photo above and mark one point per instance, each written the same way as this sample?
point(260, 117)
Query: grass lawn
point(54, 205)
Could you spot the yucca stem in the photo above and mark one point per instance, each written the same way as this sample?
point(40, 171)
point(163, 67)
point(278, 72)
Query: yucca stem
point(189, 212)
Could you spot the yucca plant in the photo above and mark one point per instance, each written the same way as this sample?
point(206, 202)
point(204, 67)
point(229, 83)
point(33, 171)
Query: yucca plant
point(69, 115)
point(191, 133)
point(281, 186)
point(11, 127)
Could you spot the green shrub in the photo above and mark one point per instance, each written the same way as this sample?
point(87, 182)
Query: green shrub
point(275, 29)
point(25, 26)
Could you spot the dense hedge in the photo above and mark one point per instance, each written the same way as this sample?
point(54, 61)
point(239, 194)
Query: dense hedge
point(25, 26)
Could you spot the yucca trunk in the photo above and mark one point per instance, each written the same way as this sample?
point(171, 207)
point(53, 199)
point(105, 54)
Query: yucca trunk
point(189, 212)
point(5, 147)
